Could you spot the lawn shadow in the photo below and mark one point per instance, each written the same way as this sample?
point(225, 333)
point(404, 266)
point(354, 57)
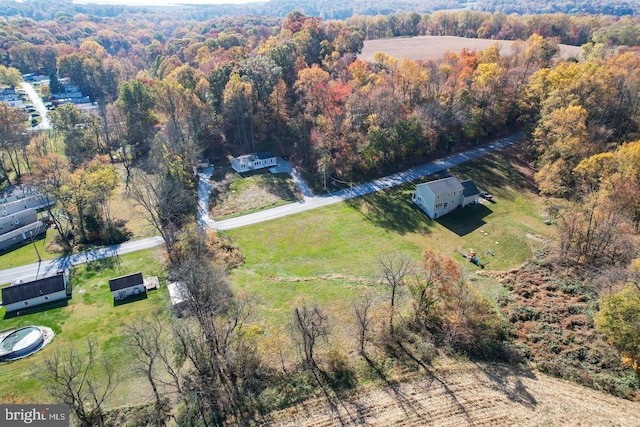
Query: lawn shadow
point(428, 369)
point(37, 309)
point(280, 185)
point(99, 265)
point(392, 210)
point(133, 298)
point(463, 221)
point(506, 379)
point(496, 171)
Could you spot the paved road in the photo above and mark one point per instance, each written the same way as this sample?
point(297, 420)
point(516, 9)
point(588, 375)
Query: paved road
point(309, 202)
point(39, 106)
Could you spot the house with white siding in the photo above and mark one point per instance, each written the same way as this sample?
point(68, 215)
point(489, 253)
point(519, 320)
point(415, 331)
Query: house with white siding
point(36, 292)
point(250, 162)
point(126, 286)
point(439, 197)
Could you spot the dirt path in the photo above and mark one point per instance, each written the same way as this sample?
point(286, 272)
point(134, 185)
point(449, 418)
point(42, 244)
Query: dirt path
point(467, 394)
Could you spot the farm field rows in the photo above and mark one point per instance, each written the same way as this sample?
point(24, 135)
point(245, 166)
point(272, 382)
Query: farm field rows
point(462, 393)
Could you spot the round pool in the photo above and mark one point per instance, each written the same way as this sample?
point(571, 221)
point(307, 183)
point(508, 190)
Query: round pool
point(21, 342)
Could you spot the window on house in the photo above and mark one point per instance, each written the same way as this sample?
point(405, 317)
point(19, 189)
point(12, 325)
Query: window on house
point(26, 303)
point(445, 204)
point(46, 298)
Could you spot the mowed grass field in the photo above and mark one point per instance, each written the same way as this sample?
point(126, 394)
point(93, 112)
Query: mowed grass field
point(89, 314)
point(434, 47)
point(330, 256)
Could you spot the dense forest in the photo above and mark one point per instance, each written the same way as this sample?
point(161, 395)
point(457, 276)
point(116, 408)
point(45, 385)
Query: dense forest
point(325, 9)
point(170, 90)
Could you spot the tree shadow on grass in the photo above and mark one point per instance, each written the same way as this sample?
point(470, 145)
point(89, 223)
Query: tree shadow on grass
point(99, 265)
point(409, 406)
point(392, 210)
point(463, 221)
point(494, 172)
point(428, 369)
point(280, 185)
point(506, 379)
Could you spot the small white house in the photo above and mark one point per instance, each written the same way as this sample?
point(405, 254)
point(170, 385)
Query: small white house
point(127, 286)
point(36, 292)
point(439, 197)
point(249, 162)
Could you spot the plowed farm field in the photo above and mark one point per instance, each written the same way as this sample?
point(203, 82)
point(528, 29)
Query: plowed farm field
point(467, 394)
point(434, 47)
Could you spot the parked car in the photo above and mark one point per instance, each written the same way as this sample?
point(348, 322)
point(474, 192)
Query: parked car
point(486, 196)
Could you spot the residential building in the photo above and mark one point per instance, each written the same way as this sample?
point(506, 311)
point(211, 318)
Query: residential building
point(127, 286)
point(439, 197)
point(36, 292)
point(249, 162)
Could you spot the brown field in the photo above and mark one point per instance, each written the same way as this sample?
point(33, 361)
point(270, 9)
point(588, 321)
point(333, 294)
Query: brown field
point(434, 47)
point(467, 394)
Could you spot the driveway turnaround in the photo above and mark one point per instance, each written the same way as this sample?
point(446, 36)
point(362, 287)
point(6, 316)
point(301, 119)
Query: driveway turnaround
point(309, 202)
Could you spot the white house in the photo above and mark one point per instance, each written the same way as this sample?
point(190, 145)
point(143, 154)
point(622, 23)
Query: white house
point(36, 292)
point(250, 162)
point(439, 197)
point(126, 286)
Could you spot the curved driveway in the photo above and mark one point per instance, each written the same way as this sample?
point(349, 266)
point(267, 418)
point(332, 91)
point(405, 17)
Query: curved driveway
point(309, 202)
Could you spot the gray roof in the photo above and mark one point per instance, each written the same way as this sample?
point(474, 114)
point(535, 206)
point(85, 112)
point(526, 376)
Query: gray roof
point(265, 155)
point(125, 282)
point(36, 288)
point(470, 188)
point(444, 185)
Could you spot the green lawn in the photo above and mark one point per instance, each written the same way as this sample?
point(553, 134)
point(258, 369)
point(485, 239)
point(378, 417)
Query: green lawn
point(327, 256)
point(28, 253)
point(330, 255)
point(90, 313)
point(248, 193)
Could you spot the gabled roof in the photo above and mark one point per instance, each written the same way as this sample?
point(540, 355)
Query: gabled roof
point(125, 282)
point(443, 186)
point(36, 288)
point(470, 188)
point(245, 158)
point(265, 155)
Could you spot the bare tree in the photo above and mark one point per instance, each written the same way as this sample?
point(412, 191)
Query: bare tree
point(309, 326)
point(364, 320)
point(80, 380)
point(227, 366)
point(146, 340)
point(166, 203)
point(394, 269)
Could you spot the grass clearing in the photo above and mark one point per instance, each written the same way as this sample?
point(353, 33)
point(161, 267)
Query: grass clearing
point(244, 194)
point(90, 313)
point(330, 255)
